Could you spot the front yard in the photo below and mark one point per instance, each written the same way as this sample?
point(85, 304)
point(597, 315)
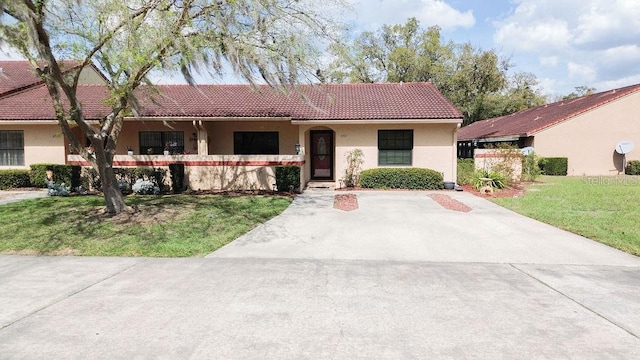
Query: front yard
point(605, 209)
point(163, 226)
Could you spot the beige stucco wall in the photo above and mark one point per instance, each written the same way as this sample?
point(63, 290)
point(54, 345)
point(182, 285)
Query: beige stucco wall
point(488, 159)
point(221, 134)
point(434, 146)
point(42, 144)
point(212, 172)
point(131, 129)
point(588, 140)
point(90, 76)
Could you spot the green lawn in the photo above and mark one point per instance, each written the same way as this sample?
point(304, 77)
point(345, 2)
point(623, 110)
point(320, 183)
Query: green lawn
point(605, 209)
point(164, 226)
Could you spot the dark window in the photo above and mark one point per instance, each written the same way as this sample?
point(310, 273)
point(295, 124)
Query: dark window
point(395, 147)
point(256, 143)
point(11, 147)
point(156, 142)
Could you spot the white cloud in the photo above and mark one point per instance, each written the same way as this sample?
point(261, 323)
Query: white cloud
point(372, 14)
point(543, 37)
point(436, 12)
point(581, 71)
point(617, 83)
point(607, 22)
point(595, 41)
point(549, 61)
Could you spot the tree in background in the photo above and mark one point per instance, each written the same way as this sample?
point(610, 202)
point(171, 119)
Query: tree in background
point(272, 40)
point(579, 91)
point(476, 81)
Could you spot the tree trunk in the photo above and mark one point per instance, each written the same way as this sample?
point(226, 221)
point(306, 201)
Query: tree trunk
point(112, 194)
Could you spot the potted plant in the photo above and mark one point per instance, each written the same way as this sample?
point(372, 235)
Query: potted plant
point(166, 149)
point(129, 151)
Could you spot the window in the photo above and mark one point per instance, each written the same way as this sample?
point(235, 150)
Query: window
point(256, 143)
point(11, 147)
point(395, 147)
point(155, 142)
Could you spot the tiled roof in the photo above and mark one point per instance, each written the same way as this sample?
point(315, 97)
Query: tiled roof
point(308, 102)
point(36, 104)
point(18, 75)
point(531, 121)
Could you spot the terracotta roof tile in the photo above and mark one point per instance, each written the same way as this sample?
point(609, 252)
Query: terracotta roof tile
point(18, 75)
point(318, 102)
point(530, 121)
point(36, 104)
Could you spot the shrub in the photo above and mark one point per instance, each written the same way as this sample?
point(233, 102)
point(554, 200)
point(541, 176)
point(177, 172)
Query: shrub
point(126, 177)
point(554, 166)
point(11, 179)
point(466, 167)
point(633, 167)
point(354, 163)
point(145, 187)
point(68, 174)
point(401, 178)
point(530, 167)
point(176, 171)
point(58, 189)
point(288, 178)
point(498, 180)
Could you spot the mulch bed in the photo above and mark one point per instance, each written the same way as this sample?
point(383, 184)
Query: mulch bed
point(448, 203)
point(345, 202)
point(516, 190)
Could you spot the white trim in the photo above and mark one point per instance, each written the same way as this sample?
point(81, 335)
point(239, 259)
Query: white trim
point(29, 122)
point(377, 121)
point(496, 139)
point(200, 118)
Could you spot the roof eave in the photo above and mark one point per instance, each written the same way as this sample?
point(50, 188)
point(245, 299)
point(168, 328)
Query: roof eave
point(206, 118)
point(376, 121)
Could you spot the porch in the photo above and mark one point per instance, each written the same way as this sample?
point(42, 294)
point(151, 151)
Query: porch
point(209, 172)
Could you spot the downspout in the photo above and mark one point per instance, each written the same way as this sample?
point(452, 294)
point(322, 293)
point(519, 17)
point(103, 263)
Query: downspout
point(455, 154)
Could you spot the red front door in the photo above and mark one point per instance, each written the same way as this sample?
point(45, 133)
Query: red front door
point(322, 155)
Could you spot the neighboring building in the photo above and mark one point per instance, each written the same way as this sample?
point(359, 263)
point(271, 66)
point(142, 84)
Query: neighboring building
point(23, 143)
point(585, 130)
point(232, 136)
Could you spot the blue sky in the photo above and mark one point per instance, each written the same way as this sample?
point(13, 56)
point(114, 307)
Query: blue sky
point(565, 43)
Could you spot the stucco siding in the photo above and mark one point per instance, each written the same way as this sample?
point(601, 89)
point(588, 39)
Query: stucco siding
point(588, 140)
point(42, 144)
point(221, 134)
point(434, 146)
point(130, 135)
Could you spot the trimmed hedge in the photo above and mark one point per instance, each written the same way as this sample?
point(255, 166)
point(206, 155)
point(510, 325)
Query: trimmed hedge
point(288, 178)
point(67, 174)
point(401, 178)
point(554, 166)
point(633, 167)
point(176, 172)
point(11, 179)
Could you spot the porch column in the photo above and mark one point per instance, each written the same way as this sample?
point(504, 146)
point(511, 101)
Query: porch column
point(203, 137)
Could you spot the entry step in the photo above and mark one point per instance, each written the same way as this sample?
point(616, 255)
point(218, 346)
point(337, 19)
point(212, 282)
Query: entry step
point(329, 185)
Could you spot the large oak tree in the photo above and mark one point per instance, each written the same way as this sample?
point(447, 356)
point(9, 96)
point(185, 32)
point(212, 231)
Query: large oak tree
point(477, 81)
point(270, 40)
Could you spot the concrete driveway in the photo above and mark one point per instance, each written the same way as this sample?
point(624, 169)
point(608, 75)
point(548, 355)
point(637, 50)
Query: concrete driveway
point(410, 280)
point(410, 226)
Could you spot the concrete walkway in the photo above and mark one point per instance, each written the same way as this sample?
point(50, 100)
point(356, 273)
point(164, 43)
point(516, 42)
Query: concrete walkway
point(11, 196)
point(548, 296)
